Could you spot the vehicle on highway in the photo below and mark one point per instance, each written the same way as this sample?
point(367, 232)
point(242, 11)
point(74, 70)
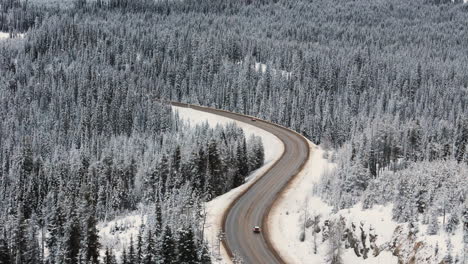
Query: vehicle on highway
point(253, 119)
point(256, 229)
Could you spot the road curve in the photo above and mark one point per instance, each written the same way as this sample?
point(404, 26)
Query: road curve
point(252, 207)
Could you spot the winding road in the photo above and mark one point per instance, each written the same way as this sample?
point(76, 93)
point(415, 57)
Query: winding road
point(253, 205)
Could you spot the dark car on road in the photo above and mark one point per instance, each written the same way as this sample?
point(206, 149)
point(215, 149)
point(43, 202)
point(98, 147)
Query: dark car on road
point(256, 229)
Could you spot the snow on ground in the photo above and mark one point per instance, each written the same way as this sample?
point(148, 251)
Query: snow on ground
point(379, 217)
point(6, 35)
point(116, 234)
point(385, 257)
point(215, 208)
point(263, 67)
point(288, 214)
point(285, 217)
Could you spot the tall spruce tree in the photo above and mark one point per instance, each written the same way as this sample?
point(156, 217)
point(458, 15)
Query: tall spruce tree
point(186, 248)
point(168, 248)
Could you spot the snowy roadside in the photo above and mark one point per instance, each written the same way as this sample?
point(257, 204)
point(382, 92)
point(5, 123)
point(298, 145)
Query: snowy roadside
point(286, 217)
point(215, 208)
point(297, 202)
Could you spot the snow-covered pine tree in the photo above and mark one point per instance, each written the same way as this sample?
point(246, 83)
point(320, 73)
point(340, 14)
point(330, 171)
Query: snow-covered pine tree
point(109, 257)
point(131, 256)
point(150, 255)
point(453, 220)
point(139, 246)
point(5, 257)
point(204, 254)
point(334, 253)
point(71, 235)
point(168, 247)
point(124, 257)
point(186, 247)
point(433, 227)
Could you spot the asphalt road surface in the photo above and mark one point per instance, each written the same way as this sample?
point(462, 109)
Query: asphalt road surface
point(253, 206)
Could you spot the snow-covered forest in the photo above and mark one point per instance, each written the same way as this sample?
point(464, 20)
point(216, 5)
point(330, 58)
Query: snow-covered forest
point(383, 84)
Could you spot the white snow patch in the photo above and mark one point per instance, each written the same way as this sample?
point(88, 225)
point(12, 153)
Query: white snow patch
point(379, 217)
point(116, 234)
point(6, 35)
point(287, 217)
point(273, 147)
point(262, 67)
point(384, 258)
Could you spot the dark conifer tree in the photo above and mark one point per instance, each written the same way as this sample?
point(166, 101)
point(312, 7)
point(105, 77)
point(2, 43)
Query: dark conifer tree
point(19, 240)
point(91, 237)
point(204, 256)
point(124, 258)
point(131, 252)
point(109, 257)
point(5, 257)
point(33, 254)
point(139, 246)
point(168, 254)
point(150, 249)
point(186, 248)
point(71, 236)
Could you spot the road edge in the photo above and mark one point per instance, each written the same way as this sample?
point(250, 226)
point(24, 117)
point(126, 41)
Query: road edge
point(283, 195)
point(265, 219)
point(278, 195)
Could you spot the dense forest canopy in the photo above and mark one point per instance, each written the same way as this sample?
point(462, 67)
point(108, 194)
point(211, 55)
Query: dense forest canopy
point(385, 83)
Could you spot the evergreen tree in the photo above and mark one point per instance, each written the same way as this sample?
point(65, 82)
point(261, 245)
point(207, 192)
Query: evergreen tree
point(90, 237)
point(71, 236)
point(149, 253)
point(335, 250)
point(433, 228)
point(453, 221)
point(139, 247)
point(109, 257)
point(124, 259)
point(186, 248)
point(204, 255)
point(168, 254)
point(19, 244)
point(55, 224)
point(214, 168)
point(33, 253)
point(131, 252)
point(4, 250)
